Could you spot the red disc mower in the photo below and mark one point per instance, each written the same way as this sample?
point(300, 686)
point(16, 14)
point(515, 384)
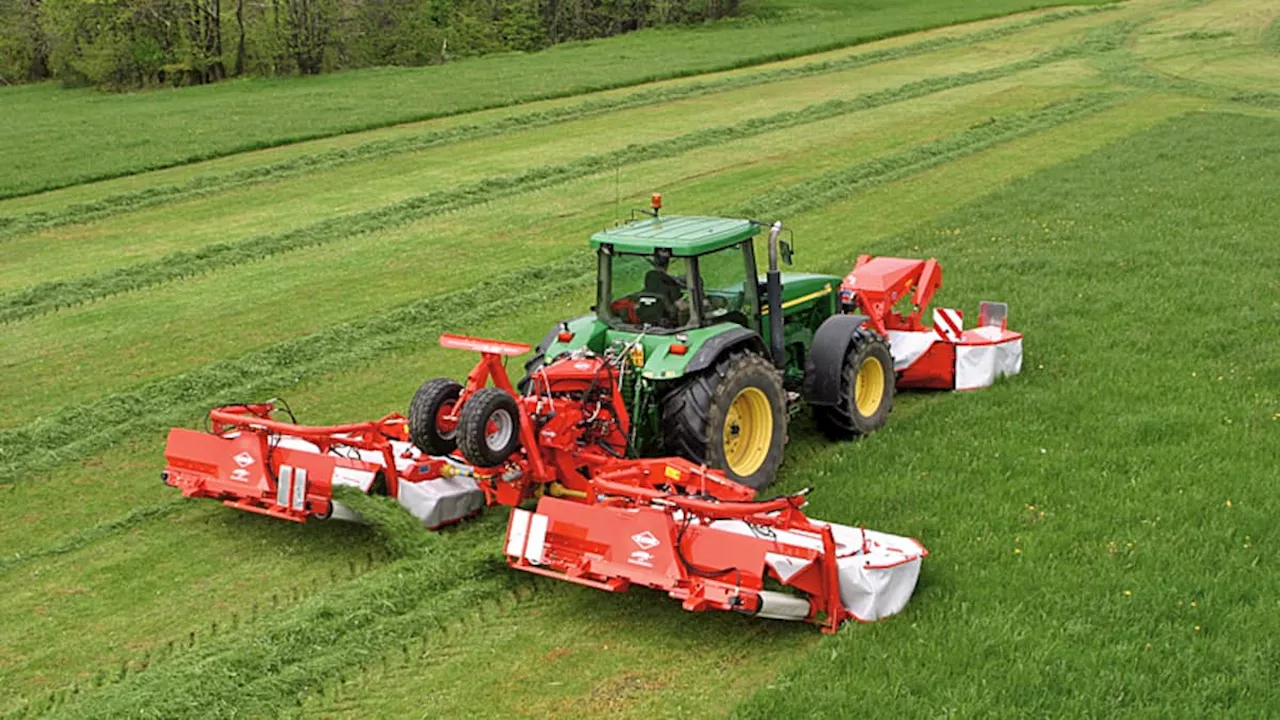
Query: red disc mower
point(601, 519)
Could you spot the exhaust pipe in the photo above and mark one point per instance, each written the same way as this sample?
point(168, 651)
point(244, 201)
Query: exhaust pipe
point(773, 299)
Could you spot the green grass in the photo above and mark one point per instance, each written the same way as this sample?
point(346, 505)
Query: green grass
point(101, 336)
point(54, 137)
point(1100, 526)
point(62, 435)
point(44, 297)
point(1120, 207)
point(382, 147)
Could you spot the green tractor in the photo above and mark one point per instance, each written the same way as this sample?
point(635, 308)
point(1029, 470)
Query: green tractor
point(721, 356)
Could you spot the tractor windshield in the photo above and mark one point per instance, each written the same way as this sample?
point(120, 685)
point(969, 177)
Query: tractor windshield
point(666, 293)
point(648, 290)
point(722, 289)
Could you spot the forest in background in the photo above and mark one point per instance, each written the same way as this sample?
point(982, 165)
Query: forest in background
point(124, 44)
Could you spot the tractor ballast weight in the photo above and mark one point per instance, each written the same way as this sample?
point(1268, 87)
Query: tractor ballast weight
point(601, 519)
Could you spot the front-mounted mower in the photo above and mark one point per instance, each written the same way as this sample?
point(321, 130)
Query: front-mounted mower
point(643, 430)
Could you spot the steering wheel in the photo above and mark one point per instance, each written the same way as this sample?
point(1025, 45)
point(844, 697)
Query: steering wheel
point(717, 302)
point(654, 309)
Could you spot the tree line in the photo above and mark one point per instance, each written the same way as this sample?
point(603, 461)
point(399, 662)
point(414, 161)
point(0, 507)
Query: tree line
point(139, 43)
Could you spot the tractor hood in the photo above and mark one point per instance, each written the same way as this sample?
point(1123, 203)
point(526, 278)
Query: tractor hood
point(800, 291)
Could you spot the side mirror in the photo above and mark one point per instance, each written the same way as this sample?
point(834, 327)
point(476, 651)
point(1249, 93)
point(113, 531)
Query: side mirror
point(784, 248)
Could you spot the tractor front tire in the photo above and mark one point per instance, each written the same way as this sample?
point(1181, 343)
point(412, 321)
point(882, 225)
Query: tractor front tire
point(434, 399)
point(867, 382)
point(732, 417)
point(489, 427)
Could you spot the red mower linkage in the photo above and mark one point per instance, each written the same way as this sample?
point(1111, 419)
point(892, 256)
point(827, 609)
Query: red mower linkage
point(942, 357)
point(601, 519)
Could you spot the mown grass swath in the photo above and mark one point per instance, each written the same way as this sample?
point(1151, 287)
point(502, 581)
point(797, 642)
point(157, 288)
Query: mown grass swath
point(46, 297)
point(129, 134)
point(792, 200)
point(1123, 68)
point(220, 182)
point(104, 529)
point(276, 659)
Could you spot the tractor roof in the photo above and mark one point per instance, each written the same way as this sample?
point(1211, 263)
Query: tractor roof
point(684, 235)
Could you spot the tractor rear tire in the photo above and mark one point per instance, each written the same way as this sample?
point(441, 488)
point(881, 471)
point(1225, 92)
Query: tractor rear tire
point(867, 382)
point(489, 427)
point(434, 397)
point(732, 417)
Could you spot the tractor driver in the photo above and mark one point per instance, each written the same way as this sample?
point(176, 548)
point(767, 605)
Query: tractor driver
point(663, 301)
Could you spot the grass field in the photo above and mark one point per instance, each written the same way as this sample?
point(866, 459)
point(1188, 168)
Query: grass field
point(53, 137)
point(1100, 525)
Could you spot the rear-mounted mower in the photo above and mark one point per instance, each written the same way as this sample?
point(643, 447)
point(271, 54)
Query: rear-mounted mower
point(640, 434)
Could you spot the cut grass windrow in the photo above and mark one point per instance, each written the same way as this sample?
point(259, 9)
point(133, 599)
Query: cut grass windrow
point(801, 197)
point(278, 659)
point(207, 184)
point(79, 430)
point(49, 296)
point(102, 530)
point(639, 65)
point(1125, 69)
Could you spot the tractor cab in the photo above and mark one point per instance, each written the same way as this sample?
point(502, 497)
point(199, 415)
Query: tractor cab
point(672, 274)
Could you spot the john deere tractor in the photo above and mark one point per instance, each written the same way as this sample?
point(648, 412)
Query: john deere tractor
point(720, 357)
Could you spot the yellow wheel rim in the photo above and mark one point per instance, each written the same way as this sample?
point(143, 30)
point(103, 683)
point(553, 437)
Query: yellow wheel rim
point(748, 432)
point(868, 387)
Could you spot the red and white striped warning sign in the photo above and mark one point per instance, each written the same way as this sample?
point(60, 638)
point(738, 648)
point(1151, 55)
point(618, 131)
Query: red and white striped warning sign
point(948, 323)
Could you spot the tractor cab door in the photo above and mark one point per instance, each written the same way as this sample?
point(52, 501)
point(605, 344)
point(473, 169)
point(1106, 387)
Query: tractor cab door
point(726, 287)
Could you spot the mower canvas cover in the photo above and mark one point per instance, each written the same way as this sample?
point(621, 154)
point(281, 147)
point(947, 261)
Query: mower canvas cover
point(942, 357)
point(951, 358)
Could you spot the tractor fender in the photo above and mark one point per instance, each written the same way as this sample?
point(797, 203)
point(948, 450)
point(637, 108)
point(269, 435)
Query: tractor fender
point(716, 346)
point(826, 358)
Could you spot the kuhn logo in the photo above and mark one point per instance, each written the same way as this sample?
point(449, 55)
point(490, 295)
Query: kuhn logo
point(244, 459)
point(646, 540)
point(641, 558)
point(240, 475)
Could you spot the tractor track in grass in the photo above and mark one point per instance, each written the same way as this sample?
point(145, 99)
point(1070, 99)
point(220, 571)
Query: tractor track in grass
point(77, 431)
point(120, 203)
point(49, 296)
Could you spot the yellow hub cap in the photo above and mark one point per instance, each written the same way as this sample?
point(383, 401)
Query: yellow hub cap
point(748, 432)
point(868, 387)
